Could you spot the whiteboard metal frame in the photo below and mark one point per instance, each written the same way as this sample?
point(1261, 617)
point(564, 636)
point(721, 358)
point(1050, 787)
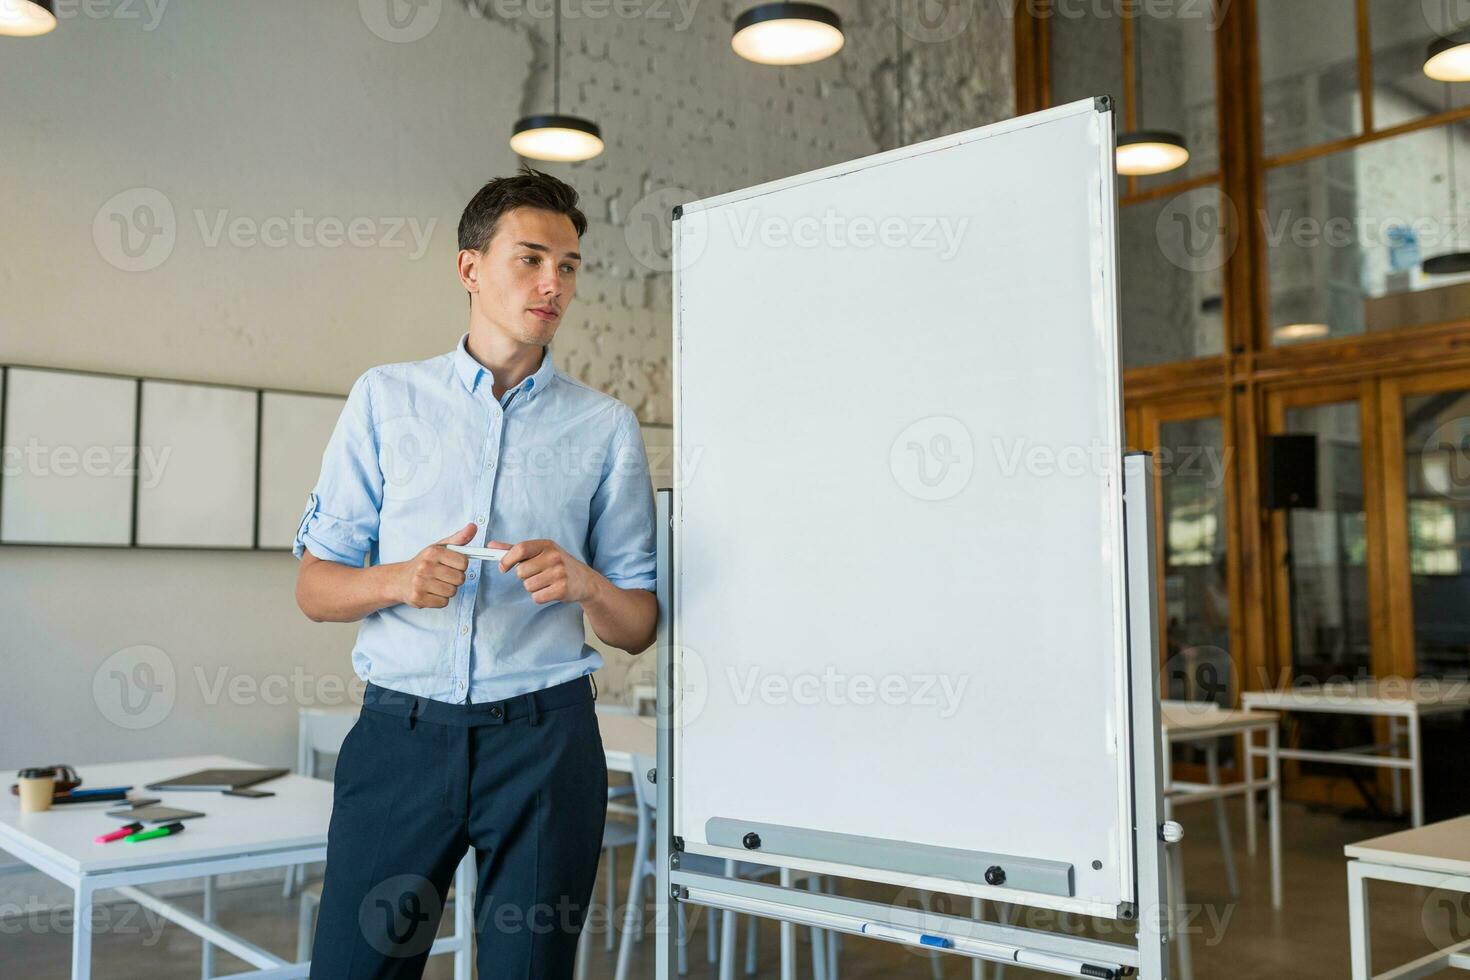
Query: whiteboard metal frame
point(1142, 801)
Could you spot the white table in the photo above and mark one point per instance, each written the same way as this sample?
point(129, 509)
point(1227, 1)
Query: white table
point(236, 835)
point(1436, 856)
point(1404, 703)
point(1192, 721)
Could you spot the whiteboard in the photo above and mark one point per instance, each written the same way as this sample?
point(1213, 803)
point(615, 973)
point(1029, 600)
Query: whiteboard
point(68, 458)
point(196, 487)
point(900, 379)
point(294, 430)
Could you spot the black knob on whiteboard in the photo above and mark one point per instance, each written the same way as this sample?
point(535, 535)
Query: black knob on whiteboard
point(751, 841)
point(995, 875)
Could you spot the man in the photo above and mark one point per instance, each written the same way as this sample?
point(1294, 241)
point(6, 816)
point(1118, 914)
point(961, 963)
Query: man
point(477, 727)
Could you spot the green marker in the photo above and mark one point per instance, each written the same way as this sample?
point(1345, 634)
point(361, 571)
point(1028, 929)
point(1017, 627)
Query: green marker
point(164, 831)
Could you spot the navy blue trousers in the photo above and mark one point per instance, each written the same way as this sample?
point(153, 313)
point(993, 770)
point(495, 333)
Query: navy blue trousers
point(523, 781)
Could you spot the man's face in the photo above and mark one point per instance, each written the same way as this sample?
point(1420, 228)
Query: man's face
point(528, 274)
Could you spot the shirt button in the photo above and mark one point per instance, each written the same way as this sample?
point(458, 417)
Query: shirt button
point(490, 465)
point(480, 519)
point(464, 631)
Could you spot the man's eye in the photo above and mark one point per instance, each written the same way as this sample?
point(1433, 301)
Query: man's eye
point(569, 269)
point(530, 259)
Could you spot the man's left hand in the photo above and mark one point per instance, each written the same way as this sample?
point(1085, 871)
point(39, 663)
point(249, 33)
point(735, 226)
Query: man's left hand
point(548, 572)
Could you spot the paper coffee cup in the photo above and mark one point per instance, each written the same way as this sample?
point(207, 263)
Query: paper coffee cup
point(37, 788)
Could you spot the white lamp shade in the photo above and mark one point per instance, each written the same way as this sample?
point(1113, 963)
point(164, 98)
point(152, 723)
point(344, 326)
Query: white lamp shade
point(560, 139)
point(1449, 58)
point(787, 34)
point(26, 18)
point(1149, 152)
point(1294, 332)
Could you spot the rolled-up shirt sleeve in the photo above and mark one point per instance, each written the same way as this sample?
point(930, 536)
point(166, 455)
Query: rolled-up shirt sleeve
point(340, 522)
point(620, 538)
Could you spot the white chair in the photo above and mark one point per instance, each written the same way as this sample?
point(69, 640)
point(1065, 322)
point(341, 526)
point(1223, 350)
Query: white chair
point(319, 731)
point(724, 932)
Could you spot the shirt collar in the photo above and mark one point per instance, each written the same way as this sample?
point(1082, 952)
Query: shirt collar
point(471, 371)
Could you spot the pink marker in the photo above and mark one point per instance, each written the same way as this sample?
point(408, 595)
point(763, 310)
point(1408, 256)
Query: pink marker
point(119, 834)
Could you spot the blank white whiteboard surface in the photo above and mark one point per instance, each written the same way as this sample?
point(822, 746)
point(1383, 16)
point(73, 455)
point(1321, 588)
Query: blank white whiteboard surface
point(67, 475)
point(196, 487)
point(294, 430)
point(899, 609)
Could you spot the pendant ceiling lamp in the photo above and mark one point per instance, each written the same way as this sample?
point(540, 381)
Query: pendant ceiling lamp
point(1456, 262)
point(1448, 59)
point(1296, 332)
point(787, 34)
point(554, 136)
point(27, 18)
point(1147, 152)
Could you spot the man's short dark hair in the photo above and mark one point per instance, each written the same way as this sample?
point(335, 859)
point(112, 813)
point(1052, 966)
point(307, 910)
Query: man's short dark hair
point(527, 189)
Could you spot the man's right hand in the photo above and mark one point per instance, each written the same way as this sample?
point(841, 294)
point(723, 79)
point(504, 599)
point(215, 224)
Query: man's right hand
point(429, 579)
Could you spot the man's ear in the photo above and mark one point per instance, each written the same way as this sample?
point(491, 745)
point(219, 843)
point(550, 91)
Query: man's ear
point(469, 269)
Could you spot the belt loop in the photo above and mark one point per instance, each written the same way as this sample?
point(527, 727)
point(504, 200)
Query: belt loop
point(531, 708)
point(413, 713)
point(593, 679)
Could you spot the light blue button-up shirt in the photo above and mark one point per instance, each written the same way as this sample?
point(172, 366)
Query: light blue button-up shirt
point(424, 448)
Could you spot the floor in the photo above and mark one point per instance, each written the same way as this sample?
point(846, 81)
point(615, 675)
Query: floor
point(1236, 939)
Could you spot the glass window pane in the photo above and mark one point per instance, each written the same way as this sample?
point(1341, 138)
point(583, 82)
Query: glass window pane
point(1401, 33)
point(1086, 52)
point(1175, 68)
point(1327, 556)
point(1309, 72)
point(1347, 234)
point(1192, 466)
point(1437, 490)
point(1171, 253)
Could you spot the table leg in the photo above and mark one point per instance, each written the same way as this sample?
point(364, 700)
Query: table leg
point(1416, 770)
point(81, 933)
point(1273, 793)
point(1394, 731)
point(206, 954)
point(1166, 770)
point(1222, 820)
point(1358, 942)
point(1249, 736)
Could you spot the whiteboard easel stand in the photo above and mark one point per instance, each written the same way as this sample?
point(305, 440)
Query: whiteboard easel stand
point(1147, 954)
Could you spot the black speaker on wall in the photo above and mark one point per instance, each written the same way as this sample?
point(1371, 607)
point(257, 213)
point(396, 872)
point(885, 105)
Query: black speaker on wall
point(1291, 472)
